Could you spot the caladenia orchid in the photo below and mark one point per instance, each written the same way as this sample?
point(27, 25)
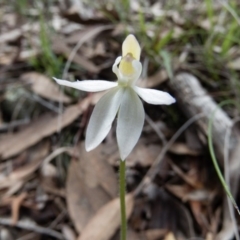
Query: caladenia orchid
point(121, 100)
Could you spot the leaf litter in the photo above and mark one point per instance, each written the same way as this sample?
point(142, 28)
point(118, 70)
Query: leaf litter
point(50, 188)
point(44, 87)
point(90, 185)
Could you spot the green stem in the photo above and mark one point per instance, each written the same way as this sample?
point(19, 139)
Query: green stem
point(122, 183)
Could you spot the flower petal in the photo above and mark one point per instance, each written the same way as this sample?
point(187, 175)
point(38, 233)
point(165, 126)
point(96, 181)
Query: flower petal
point(115, 66)
point(88, 85)
point(153, 96)
point(102, 117)
point(131, 45)
point(130, 122)
point(138, 70)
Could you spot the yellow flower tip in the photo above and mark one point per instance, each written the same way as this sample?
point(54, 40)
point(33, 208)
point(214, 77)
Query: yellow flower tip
point(130, 50)
point(131, 46)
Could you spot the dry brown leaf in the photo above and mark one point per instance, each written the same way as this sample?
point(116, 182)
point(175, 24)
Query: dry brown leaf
point(81, 12)
point(107, 220)
point(45, 87)
point(170, 236)
point(27, 54)
point(38, 129)
point(186, 193)
point(97, 170)
point(98, 50)
point(195, 183)
point(91, 184)
point(60, 47)
point(154, 80)
point(155, 234)
point(17, 177)
point(13, 188)
point(16, 204)
point(19, 174)
point(90, 31)
point(132, 235)
point(209, 236)
point(199, 215)
point(183, 149)
point(16, 33)
point(79, 208)
point(8, 55)
point(77, 35)
point(179, 191)
point(141, 155)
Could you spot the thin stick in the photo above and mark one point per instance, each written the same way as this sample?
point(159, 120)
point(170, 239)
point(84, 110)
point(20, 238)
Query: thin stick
point(122, 182)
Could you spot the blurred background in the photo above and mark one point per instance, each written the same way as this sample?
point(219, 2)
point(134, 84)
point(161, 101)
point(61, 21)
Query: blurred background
point(50, 188)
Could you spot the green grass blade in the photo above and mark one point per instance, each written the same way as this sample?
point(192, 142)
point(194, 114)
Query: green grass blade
point(213, 156)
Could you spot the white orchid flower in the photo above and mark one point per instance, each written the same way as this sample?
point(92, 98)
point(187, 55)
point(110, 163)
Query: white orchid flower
point(121, 100)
